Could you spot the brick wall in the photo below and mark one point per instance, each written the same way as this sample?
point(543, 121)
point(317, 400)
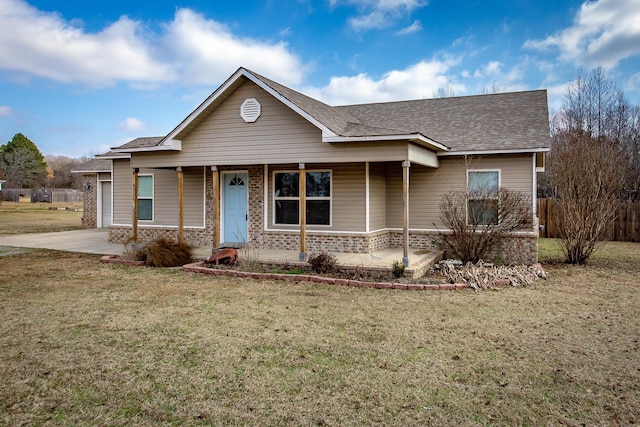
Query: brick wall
point(520, 248)
point(195, 236)
point(90, 203)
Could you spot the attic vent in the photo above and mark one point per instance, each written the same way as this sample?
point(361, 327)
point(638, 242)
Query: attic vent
point(250, 110)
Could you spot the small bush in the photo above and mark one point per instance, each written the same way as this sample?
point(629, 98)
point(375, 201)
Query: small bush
point(397, 269)
point(163, 253)
point(323, 262)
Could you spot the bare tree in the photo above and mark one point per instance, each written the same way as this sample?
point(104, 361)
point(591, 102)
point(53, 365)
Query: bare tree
point(493, 89)
point(588, 174)
point(594, 104)
point(59, 169)
point(481, 219)
point(444, 92)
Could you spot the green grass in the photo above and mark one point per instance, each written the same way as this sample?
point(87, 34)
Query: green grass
point(88, 344)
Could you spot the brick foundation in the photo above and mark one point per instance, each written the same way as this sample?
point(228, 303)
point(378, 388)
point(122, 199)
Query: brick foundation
point(194, 236)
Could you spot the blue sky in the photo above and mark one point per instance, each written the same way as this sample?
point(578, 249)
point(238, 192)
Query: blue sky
point(78, 77)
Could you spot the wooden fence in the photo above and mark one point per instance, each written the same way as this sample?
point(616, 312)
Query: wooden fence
point(625, 228)
point(60, 195)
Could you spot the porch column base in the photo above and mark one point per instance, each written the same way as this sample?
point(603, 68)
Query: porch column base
point(405, 261)
point(302, 256)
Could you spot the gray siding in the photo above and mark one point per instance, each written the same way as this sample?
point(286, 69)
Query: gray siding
point(165, 196)
point(122, 192)
point(377, 196)
point(279, 136)
point(427, 185)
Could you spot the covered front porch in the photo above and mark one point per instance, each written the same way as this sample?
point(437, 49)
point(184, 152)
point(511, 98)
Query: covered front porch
point(421, 260)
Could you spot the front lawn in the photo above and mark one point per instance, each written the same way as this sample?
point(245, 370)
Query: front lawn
point(88, 344)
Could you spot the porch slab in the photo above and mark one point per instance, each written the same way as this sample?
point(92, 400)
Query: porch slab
point(420, 260)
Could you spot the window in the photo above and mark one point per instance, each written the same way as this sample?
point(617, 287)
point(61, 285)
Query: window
point(145, 197)
point(287, 198)
point(482, 203)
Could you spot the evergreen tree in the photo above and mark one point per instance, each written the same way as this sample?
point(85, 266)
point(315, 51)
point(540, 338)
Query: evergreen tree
point(22, 163)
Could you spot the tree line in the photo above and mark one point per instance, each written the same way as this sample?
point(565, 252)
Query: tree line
point(22, 165)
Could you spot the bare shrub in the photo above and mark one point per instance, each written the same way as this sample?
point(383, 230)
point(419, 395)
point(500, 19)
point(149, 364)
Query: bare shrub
point(163, 253)
point(249, 258)
point(588, 175)
point(479, 220)
point(323, 262)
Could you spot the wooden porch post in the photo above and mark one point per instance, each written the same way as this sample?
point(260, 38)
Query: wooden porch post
point(180, 204)
point(405, 212)
point(135, 205)
point(215, 183)
point(302, 182)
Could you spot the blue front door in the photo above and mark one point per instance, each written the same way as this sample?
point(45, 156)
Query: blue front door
point(235, 207)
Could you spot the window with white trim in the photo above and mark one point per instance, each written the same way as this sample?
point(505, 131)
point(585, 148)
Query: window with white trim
point(483, 190)
point(286, 197)
point(145, 197)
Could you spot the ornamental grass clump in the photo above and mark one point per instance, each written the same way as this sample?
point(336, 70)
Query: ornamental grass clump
point(163, 253)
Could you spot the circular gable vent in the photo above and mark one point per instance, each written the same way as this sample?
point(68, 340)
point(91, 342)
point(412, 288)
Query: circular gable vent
point(250, 110)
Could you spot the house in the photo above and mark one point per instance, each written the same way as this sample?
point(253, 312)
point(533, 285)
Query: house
point(230, 173)
point(97, 194)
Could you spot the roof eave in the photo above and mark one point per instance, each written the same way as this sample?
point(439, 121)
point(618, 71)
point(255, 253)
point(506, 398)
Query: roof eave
point(91, 171)
point(496, 151)
point(172, 145)
point(114, 156)
point(416, 137)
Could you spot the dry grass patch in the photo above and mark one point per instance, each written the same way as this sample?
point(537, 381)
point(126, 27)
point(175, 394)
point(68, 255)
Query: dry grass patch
point(85, 343)
point(25, 217)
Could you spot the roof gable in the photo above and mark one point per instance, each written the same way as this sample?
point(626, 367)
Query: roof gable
point(517, 121)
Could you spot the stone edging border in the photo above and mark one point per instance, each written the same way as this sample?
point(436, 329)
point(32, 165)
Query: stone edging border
point(296, 278)
point(197, 267)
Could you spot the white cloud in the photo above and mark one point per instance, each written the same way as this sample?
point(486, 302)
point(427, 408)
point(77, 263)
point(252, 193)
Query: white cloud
point(633, 83)
point(492, 68)
point(379, 13)
point(413, 28)
point(494, 76)
point(603, 33)
point(207, 52)
point(421, 80)
point(43, 44)
point(189, 49)
point(556, 95)
point(5, 111)
point(131, 124)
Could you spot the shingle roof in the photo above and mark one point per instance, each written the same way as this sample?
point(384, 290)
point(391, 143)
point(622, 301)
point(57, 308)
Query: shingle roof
point(496, 122)
point(147, 141)
point(93, 165)
point(504, 121)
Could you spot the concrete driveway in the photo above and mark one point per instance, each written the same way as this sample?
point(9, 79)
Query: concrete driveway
point(91, 241)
